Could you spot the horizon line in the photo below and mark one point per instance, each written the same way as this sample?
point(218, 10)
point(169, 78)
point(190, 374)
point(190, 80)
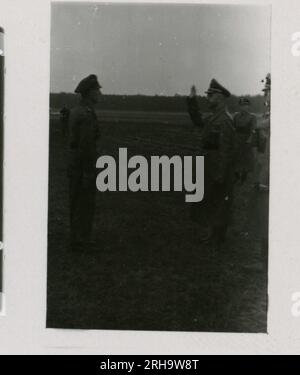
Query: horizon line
point(151, 95)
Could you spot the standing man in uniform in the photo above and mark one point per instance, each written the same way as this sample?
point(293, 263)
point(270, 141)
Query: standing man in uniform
point(245, 124)
point(218, 148)
point(84, 133)
point(261, 172)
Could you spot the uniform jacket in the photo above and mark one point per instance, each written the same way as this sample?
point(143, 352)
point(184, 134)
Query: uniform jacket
point(84, 132)
point(218, 141)
point(245, 125)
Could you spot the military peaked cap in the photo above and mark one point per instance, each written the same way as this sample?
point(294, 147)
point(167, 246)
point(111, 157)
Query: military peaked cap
point(216, 87)
point(88, 83)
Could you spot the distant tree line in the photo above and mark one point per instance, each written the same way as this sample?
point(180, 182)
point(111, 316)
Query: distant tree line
point(157, 103)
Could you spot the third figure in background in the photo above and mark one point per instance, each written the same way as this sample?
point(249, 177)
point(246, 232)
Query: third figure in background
point(245, 125)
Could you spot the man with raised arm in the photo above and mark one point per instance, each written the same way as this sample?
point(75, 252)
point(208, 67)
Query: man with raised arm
point(218, 148)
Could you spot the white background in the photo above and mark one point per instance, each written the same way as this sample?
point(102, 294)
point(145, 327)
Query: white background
point(22, 330)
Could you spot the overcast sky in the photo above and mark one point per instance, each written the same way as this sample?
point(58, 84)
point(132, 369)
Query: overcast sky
point(160, 49)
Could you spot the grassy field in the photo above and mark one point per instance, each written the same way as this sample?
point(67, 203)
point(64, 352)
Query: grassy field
point(148, 270)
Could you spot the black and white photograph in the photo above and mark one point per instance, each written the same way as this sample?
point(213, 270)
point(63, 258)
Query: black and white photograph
point(159, 154)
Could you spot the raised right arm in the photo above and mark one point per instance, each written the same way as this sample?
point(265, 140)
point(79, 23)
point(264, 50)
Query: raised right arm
point(193, 109)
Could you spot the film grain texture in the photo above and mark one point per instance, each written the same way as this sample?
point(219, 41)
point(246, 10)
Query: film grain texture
point(159, 80)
